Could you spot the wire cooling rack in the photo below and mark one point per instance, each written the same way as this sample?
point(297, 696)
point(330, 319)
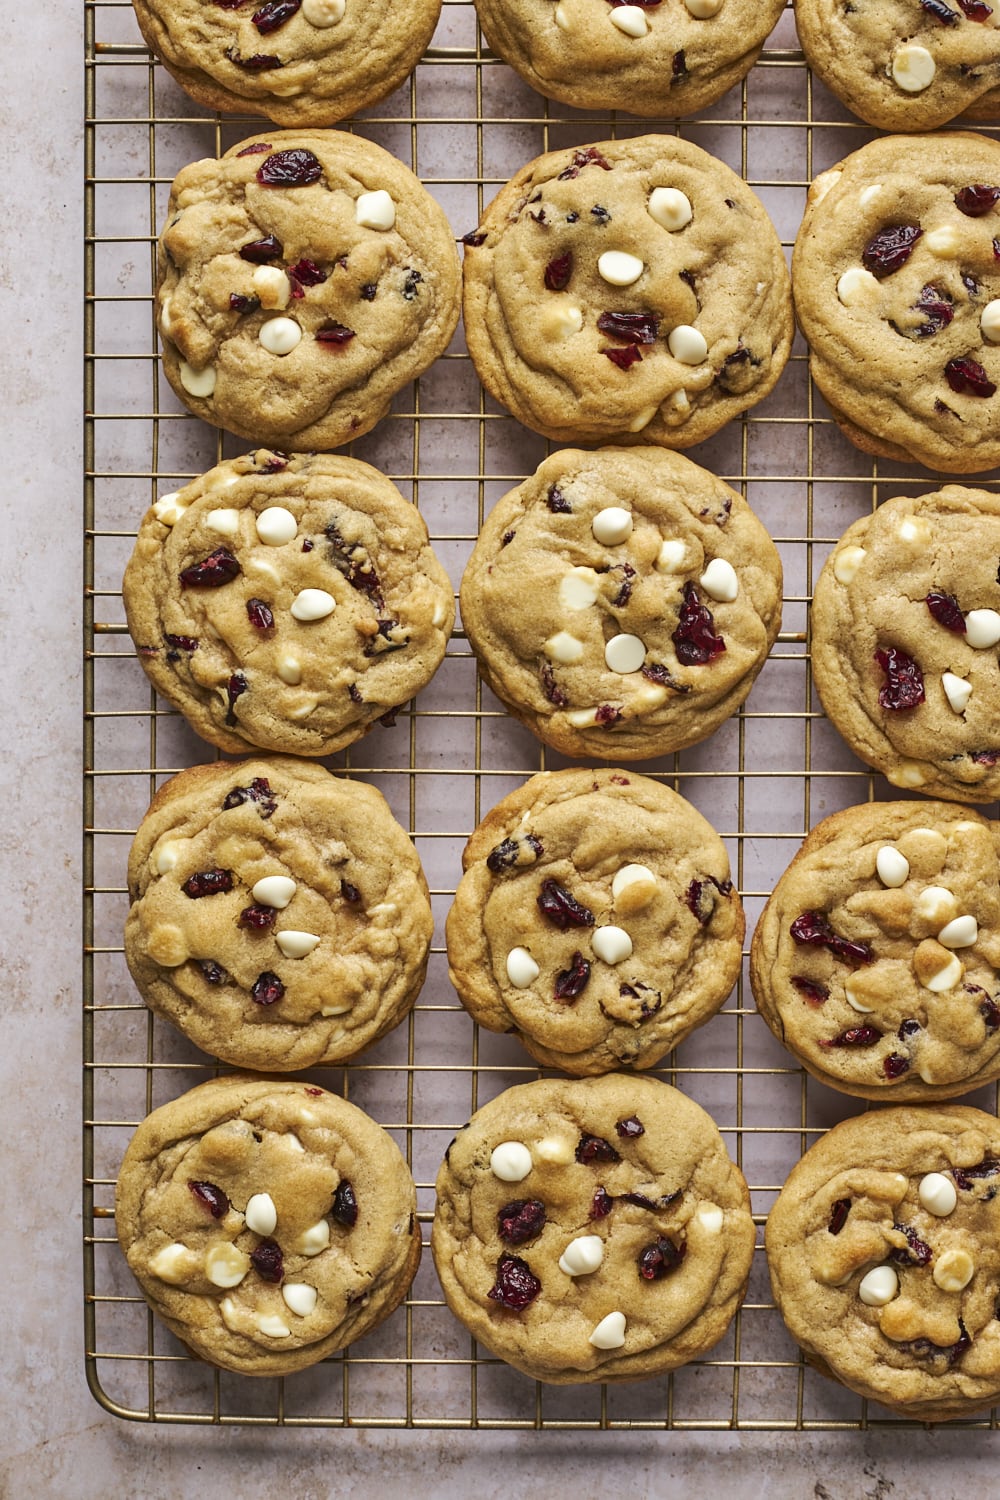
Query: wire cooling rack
point(464, 123)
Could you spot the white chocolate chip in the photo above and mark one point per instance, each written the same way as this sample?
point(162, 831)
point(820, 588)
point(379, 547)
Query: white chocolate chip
point(375, 210)
point(936, 904)
point(289, 669)
point(225, 522)
point(989, 321)
point(670, 208)
point(314, 1239)
point(260, 1214)
point(304, 708)
point(857, 287)
point(167, 855)
point(869, 194)
point(892, 868)
point(165, 320)
point(944, 241)
point(649, 695)
point(167, 945)
point(610, 1332)
point(280, 335)
point(851, 984)
point(555, 1150)
point(953, 1270)
point(563, 647)
point(561, 320)
point(710, 1217)
point(618, 268)
point(687, 344)
point(936, 968)
point(879, 1286)
point(382, 909)
point(323, 13)
point(276, 525)
point(642, 418)
point(957, 690)
point(625, 653)
point(679, 403)
point(982, 628)
point(312, 604)
point(197, 382)
point(581, 718)
point(960, 933)
point(300, 1297)
point(522, 970)
point(274, 290)
point(612, 944)
point(579, 588)
point(915, 531)
point(292, 1141)
point(229, 1315)
point(582, 1255)
point(274, 890)
point(672, 557)
point(612, 525)
point(562, 19)
point(824, 183)
point(913, 68)
point(703, 10)
point(272, 1327)
point(173, 1264)
point(638, 881)
point(296, 944)
point(907, 773)
point(719, 581)
point(510, 1161)
point(847, 562)
point(335, 1010)
point(226, 1264)
point(937, 1194)
point(169, 508)
point(630, 19)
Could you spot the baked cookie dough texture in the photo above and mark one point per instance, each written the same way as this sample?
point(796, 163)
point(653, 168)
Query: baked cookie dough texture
point(592, 1229)
point(596, 919)
point(905, 642)
point(659, 57)
point(279, 915)
point(287, 603)
point(267, 1222)
point(896, 276)
point(621, 603)
point(876, 960)
point(884, 1253)
point(632, 290)
point(300, 62)
point(302, 280)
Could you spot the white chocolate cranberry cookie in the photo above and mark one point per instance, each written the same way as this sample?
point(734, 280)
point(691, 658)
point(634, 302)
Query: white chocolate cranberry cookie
point(596, 919)
point(906, 642)
point(876, 960)
point(896, 275)
point(302, 280)
point(656, 57)
point(287, 603)
point(884, 1254)
point(633, 290)
point(621, 603)
point(592, 1229)
point(300, 62)
point(268, 1223)
point(279, 915)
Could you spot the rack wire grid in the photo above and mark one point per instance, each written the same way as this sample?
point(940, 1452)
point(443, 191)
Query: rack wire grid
point(464, 122)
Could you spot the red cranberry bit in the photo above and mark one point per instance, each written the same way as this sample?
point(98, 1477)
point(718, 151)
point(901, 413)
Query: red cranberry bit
point(904, 685)
point(267, 1261)
point(550, 687)
point(678, 66)
point(267, 988)
point(410, 285)
point(211, 1197)
point(855, 1036)
point(990, 1012)
point(977, 199)
point(562, 910)
point(630, 1129)
point(212, 972)
point(602, 1204)
point(235, 688)
point(558, 272)
point(695, 640)
point(295, 168)
point(350, 892)
point(813, 930)
point(589, 156)
point(907, 1029)
point(816, 994)
point(938, 310)
point(941, 12)
point(474, 238)
point(889, 249)
point(345, 1205)
point(838, 1215)
point(660, 1258)
point(641, 1201)
point(984, 757)
point(212, 572)
point(625, 357)
point(274, 13)
point(557, 502)
point(515, 1286)
point(181, 642)
point(259, 252)
point(631, 328)
point(965, 1176)
point(594, 1148)
point(655, 671)
point(916, 1253)
point(699, 900)
point(240, 304)
point(335, 334)
point(608, 715)
point(975, 10)
point(965, 374)
point(257, 918)
point(257, 62)
point(259, 147)
point(512, 851)
point(208, 883)
point(895, 1065)
point(520, 1221)
point(944, 608)
point(305, 273)
point(571, 983)
point(259, 614)
point(258, 791)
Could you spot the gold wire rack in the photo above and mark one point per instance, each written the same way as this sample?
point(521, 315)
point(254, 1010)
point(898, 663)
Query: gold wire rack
point(763, 779)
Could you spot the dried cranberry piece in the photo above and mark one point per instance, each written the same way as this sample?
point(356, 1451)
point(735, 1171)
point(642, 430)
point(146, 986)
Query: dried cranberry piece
point(295, 168)
point(594, 1148)
point(240, 304)
point(258, 791)
point(562, 910)
point(474, 238)
point(655, 671)
point(512, 851)
point(624, 357)
point(660, 1258)
point(558, 272)
point(700, 905)
point(235, 688)
point(305, 273)
point(550, 687)
point(601, 1204)
point(941, 12)
point(267, 988)
point(630, 1129)
point(335, 334)
point(678, 66)
point(624, 593)
point(274, 13)
point(350, 892)
point(977, 200)
point(890, 248)
point(571, 983)
point(854, 1036)
point(904, 686)
point(208, 883)
point(816, 994)
point(907, 1029)
point(181, 642)
point(631, 328)
point(212, 572)
point(259, 918)
point(965, 1176)
point(945, 609)
point(212, 972)
point(211, 1197)
point(938, 310)
point(352, 560)
point(259, 252)
point(895, 1065)
point(695, 640)
point(608, 715)
point(640, 1201)
point(916, 1253)
point(257, 62)
point(516, 1286)
point(345, 1205)
point(975, 10)
point(259, 614)
point(984, 757)
point(588, 156)
point(600, 215)
point(965, 374)
point(258, 147)
point(838, 1215)
point(267, 1261)
point(557, 502)
point(813, 929)
point(990, 1012)
point(520, 1221)
point(368, 291)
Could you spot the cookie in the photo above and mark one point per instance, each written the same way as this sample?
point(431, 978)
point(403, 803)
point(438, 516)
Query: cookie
point(300, 62)
point(267, 1222)
point(287, 603)
point(664, 59)
point(621, 603)
point(279, 915)
point(884, 1254)
point(897, 290)
point(633, 290)
point(592, 1229)
point(905, 630)
point(901, 66)
point(876, 960)
point(596, 920)
point(302, 280)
